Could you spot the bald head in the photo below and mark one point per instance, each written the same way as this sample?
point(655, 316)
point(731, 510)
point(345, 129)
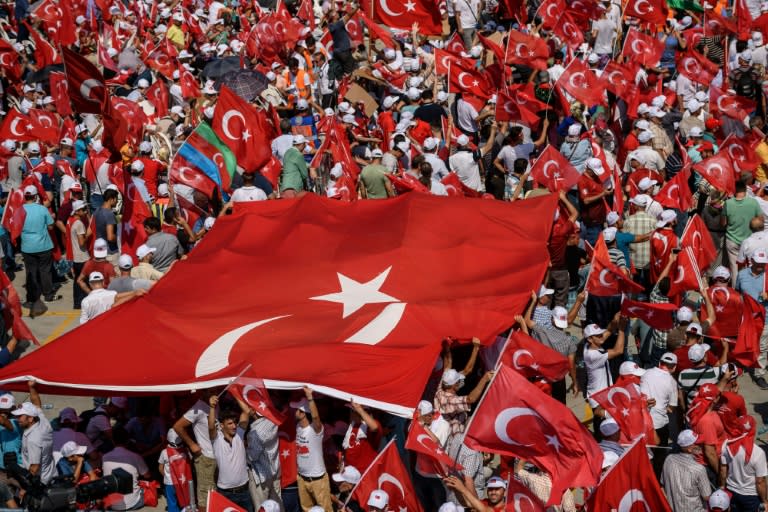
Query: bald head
point(757, 224)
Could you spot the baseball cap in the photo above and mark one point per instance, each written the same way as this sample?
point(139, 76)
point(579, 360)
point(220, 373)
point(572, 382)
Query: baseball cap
point(349, 474)
point(69, 414)
point(7, 401)
point(302, 405)
point(144, 250)
point(697, 352)
point(642, 124)
point(162, 190)
point(695, 328)
point(425, 407)
point(596, 165)
point(66, 141)
point(721, 272)
point(760, 256)
point(78, 204)
point(349, 119)
point(389, 101)
point(430, 143)
point(665, 218)
point(30, 190)
point(609, 427)
point(640, 200)
point(574, 130)
point(708, 392)
point(209, 222)
point(684, 314)
point(543, 290)
point(451, 377)
point(631, 368)
point(695, 132)
point(145, 146)
point(72, 448)
point(644, 136)
point(125, 262)
point(462, 140)
point(299, 139)
point(612, 218)
point(693, 105)
point(738, 373)
point(269, 506)
point(95, 276)
point(609, 234)
point(137, 166)
point(560, 317)
point(377, 153)
point(100, 248)
point(593, 330)
point(495, 483)
point(646, 183)
point(687, 438)
point(378, 499)
point(669, 358)
point(302, 104)
point(27, 409)
point(719, 499)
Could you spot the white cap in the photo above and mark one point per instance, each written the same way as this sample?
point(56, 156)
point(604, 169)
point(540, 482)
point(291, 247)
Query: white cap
point(209, 222)
point(209, 89)
point(269, 505)
point(746, 56)
point(684, 314)
point(271, 76)
point(560, 317)
point(442, 96)
point(657, 112)
point(30, 190)
point(695, 132)
point(609, 427)
point(344, 107)
point(301, 405)
point(695, 328)
point(33, 147)
point(612, 218)
point(462, 140)
point(299, 139)
point(757, 38)
point(175, 75)
point(9, 144)
point(693, 105)
point(658, 101)
point(7, 401)
point(644, 136)
point(100, 248)
point(389, 53)
point(125, 262)
point(302, 104)
point(596, 165)
point(476, 51)
point(574, 130)
point(378, 498)
point(414, 93)
point(78, 204)
point(631, 368)
point(760, 256)
point(646, 183)
point(377, 153)
point(72, 448)
point(430, 143)
point(642, 108)
point(178, 17)
point(642, 124)
point(495, 482)
point(641, 200)
point(349, 119)
point(593, 58)
point(721, 272)
point(451, 377)
point(609, 234)
point(593, 330)
point(701, 96)
point(162, 190)
point(697, 352)
point(95, 276)
point(161, 29)
point(137, 166)
point(669, 358)
point(349, 474)
point(143, 83)
point(144, 250)
point(176, 109)
point(27, 409)
point(184, 54)
point(543, 290)
point(665, 218)
point(48, 100)
point(719, 499)
point(686, 21)
point(425, 407)
point(145, 146)
point(686, 438)
point(389, 101)
point(80, 20)
point(208, 112)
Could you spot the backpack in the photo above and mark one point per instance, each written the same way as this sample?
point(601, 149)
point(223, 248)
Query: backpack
point(745, 84)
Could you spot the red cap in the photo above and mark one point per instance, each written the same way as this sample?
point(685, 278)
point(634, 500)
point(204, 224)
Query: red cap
point(708, 392)
point(712, 123)
point(706, 146)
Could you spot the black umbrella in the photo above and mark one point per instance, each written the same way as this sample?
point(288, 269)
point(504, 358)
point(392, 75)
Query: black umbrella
point(219, 67)
point(42, 75)
point(246, 83)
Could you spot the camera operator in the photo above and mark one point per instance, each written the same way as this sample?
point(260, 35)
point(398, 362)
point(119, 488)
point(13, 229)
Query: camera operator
point(72, 463)
point(37, 441)
point(10, 431)
point(123, 458)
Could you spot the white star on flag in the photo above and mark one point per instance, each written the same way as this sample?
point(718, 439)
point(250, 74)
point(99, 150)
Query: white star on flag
point(554, 442)
point(354, 294)
point(625, 412)
point(410, 6)
point(246, 135)
point(285, 453)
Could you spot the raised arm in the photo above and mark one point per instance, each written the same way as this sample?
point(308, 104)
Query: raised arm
point(317, 425)
point(472, 357)
point(212, 431)
point(474, 395)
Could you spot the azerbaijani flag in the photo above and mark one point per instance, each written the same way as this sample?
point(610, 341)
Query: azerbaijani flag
point(205, 151)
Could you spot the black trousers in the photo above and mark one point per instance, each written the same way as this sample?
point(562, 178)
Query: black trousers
point(39, 278)
point(77, 293)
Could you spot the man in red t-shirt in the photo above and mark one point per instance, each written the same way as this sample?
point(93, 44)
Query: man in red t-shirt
point(592, 194)
point(361, 442)
point(152, 168)
point(563, 228)
point(98, 263)
point(709, 427)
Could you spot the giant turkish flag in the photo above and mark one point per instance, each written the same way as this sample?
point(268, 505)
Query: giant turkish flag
point(353, 299)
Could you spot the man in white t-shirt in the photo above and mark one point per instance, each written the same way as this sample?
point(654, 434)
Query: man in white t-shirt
point(429, 486)
point(596, 358)
point(465, 163)
point(467, 18)
point(200, 445)
point(314, 485)
point(229, 451)
point(604, 32)
point(37, 440)
point(743, 474)
point(248, 192)
point(123, 458)
point(659, 384)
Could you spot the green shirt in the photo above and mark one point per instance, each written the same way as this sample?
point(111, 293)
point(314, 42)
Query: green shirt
point(374, 178)
point(295, 172)
point(740, 213)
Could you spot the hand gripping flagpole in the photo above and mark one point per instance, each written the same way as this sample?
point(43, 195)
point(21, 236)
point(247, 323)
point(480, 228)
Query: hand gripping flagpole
point(248, 367)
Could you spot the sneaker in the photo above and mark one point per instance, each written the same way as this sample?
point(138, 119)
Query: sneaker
point(37, 309)
point(27, 305)
point(52, 298)
point(761, 383)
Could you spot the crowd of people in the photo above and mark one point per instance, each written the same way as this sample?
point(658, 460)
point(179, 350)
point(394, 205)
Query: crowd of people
point(658, 250)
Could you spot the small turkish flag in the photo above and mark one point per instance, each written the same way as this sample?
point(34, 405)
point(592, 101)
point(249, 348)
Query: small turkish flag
point(617, 78)
point(286, 440)
point(696, 68)
point(568, 31)
point(244, 129)
point(532, 358)
point(45, 125)
point(676, 193)
point(158, 96)
point(743, 20)
point(133, 114)
point(180, 468)
point(642, 48)
point(17, 126)
point(550, 12)
point(729, 309)
point(14, 214)
point(60, 93)
point(716, 25)
point(218, 503)
point(718, 171)
point(421, 442)
point(455, 44)
point(115, 131)
point(606, 279)
point(651, 11)
point(508, 109)
point(377, 30)
point(403, 15)
point(526, 49)
point(628, 407)
point(161, 62)
point(469, 81)
point(387, 472)
point(747, 348)
point(12, 308)
point(406, 182)
point(104, 58)
point(549, 436)
point(554, 171)
point(45, 54)
point(445, 60)
point(685, 275)
point(65, 168)
point(252, 392)
point(581, 83)
point(697, 237)
point(190, 88)
point(631, 480)
point(187, 174)
point(9, 60)
point(730, 104)
point(741, 152)
point(658, 316)
point(85, 83)
point(135, 212)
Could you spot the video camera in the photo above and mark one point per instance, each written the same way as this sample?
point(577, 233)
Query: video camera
point(62, 494)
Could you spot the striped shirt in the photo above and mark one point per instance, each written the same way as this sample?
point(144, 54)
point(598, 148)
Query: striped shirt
point(692, 378)
point(685, 483)
point(658, 336)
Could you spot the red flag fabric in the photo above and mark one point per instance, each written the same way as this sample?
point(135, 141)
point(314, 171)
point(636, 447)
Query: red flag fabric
point(158, 96)
point(403, 15)
point(697, 237)
point(469, 81)
point(651, 11)
point(554, 171)
point(550, 12)
point(59, 92)
point(12, 310)
point(729, 308)
point(742, 154)
point(508, 109)
point(685, 275)
point(696, 67)
point(717, 25)
point(190, 88)
point(419, 441)
point(115, 130)
point(568, 31)
point(218, 503)
point(133, 115)
point(747, 347)
point(286, 439)
point(729, 104)
point(658, 316)
point(378, 31)
point(161, 62)
point(527, 50)
point(104, 59)
point(743, 20)
point(363, 309)
point(243, 129)
point(718, 171)
point(676, 193)
point(606, 279)
point(550, 436)
point(617, 78)
point(17, 126)
point(628, 408)
point(455, 44)
point(445, 60)
point(135, 212)
point(253, 392)
point(631, 480)
point(9, 60)
point(45, 125)
point(57, 21)
point(14, 214)
point(581, 83)
point(180, 468)
point(532, 358)
point(85, 83)
point(45, 54)
point(642, 48)
point(406, 182)
point(387, 472)
point(494, 48)
point(185, 173)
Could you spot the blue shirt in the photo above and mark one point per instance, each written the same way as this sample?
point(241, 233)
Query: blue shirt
point(81, 151)
point(622, 243)
point(10, 441)
point(65, 468)
point(752, 285)
point(34, 235)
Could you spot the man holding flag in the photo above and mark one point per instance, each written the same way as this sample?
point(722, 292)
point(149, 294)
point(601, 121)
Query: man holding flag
point(752, 281)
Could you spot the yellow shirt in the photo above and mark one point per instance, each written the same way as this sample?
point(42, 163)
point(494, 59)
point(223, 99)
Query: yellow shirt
point(176, 35)
point(762, 153)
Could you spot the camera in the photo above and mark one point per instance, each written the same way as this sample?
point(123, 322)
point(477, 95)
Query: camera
point(62, 494)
